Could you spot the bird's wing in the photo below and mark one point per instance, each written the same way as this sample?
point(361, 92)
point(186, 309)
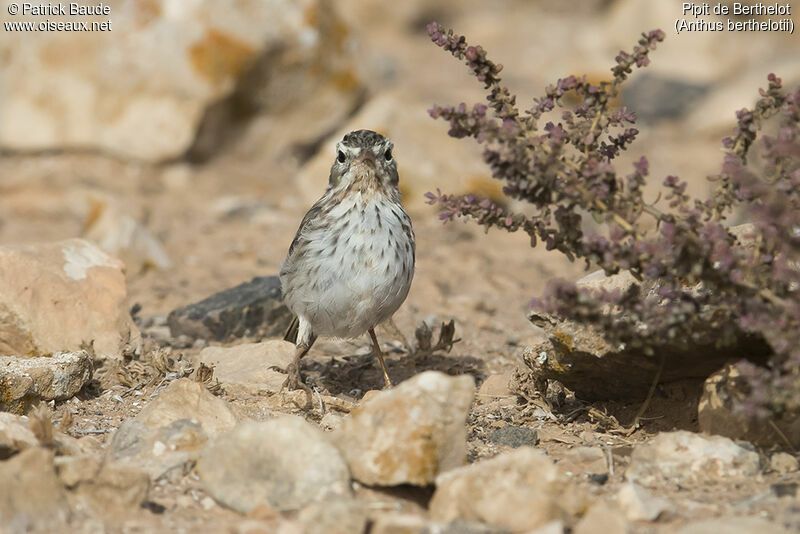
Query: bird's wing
point(309, 218)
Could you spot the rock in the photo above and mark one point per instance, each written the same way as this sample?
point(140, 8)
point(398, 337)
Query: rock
point(553, 527)
point(285, 463)
point(18, 433)
point(495, 387)
point(56, 297)
point(581, 358)
point(716, 414)
point(408, 434)
point(249, 366)
point(395, 523)
point(518, 490)
point(31, 496)
point(733, 525)
point(783, 463)
point(131, 92)
point(116, 488)
point(715, 116)
point(513, 436)
point(654, 97)
point(187, 399)
point(253, 308)
point(73, 470)
point(161, 452)
point(169, 433)
point(334, 515)
point(689, 459)
point(331, 421)
point(602, 518)
point(15, 435)
point(27, 381)
point(638, 504)
point(584, 460)
point(413, 524)
point(103, 487)
point(119, 234)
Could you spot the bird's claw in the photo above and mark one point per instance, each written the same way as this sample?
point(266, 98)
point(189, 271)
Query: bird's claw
point(293, 380)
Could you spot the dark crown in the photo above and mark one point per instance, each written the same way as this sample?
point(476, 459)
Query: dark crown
point(362, 139)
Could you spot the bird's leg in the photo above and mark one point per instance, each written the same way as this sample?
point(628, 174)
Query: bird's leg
point(305, 339)
point(379, 354)
point(293, 378)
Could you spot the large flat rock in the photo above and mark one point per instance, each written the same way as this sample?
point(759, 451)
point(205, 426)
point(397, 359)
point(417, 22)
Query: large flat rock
point(61, 296)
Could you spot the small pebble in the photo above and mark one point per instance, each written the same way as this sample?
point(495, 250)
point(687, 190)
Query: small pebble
point(783, 463)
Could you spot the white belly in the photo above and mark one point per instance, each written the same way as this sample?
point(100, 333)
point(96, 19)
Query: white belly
point(355, 273)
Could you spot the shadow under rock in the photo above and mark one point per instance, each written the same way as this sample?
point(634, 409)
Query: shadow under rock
point(354, 375)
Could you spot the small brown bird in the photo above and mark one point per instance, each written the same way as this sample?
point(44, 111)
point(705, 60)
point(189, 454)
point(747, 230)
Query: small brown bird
point(350, 265)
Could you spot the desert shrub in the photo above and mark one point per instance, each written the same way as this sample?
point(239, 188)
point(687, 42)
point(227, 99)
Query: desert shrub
point(564, 170)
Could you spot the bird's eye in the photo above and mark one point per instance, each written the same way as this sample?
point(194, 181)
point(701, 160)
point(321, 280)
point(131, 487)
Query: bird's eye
point(341, 157)
point(388, 154)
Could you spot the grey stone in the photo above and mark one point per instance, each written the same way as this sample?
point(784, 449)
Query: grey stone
point(514, 436)
point(655, 97)
point(253, 308)
point(27, 381)
point(285, 463)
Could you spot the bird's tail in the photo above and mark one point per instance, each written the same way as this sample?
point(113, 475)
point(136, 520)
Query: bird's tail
point(291, 332)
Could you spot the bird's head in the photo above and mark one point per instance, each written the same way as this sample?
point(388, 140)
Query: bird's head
point(364, 161)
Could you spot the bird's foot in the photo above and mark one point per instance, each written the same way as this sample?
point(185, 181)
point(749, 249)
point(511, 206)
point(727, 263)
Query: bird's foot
point(293, 380)
point(387, 380)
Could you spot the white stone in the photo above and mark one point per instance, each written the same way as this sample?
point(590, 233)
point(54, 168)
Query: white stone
point(285, 463)
point(638, 504)
point(408, 434)
point(249, 366)
point(687, 458)
point(519, 490)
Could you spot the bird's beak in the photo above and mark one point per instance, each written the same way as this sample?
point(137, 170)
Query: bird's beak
point(366, 158)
